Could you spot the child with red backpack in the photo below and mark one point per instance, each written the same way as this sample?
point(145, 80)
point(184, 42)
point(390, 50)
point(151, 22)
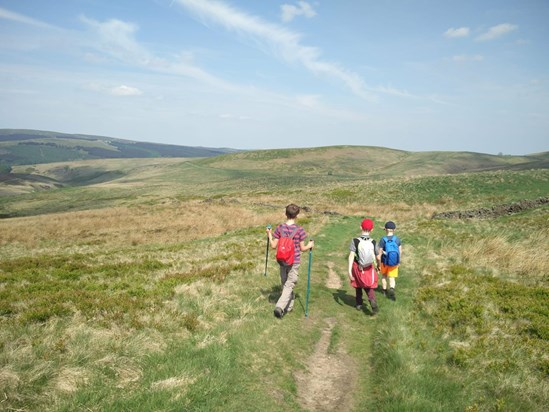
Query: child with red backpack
point(289, 240)
point(362, 262)
point(390, 251)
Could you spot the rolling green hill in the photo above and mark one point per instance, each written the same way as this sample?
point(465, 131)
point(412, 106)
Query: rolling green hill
point(144, 284)
point(375, 161)
point(257, 170)
point(19, 146)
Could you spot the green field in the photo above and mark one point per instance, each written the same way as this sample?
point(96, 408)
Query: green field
point(139, 285)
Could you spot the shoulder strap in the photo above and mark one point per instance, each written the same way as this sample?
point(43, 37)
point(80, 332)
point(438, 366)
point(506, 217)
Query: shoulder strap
point(356, 241)
point(292, 233)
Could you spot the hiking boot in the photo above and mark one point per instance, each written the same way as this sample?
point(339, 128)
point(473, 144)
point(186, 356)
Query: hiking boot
point(358, 307)
point(375, 309)
point(278, 313)
point(391, 294)
point(384, 291)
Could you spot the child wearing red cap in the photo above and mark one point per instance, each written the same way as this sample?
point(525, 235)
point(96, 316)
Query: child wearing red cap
point(389, 253)
point(362, 261)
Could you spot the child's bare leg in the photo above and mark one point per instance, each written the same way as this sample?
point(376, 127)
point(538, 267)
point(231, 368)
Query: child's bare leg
point(391, 292)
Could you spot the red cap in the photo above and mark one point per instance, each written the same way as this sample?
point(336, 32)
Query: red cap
point(367, 224)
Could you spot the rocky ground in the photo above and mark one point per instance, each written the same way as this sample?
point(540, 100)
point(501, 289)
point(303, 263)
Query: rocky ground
point(494, 211)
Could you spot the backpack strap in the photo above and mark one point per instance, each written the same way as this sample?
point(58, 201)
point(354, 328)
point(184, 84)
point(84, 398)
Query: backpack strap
point(292, 233)
point(356, 241)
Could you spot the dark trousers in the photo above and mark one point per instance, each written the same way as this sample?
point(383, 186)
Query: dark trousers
point(369, 292)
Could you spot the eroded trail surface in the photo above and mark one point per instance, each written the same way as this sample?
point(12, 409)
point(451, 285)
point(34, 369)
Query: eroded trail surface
point(329, 381)
point(333, 281)
point(330, 378)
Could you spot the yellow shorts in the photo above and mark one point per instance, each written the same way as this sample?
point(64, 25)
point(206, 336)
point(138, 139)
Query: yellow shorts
point(391, 271)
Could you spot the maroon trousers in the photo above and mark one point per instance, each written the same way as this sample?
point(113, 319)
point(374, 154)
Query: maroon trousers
point(369, 292)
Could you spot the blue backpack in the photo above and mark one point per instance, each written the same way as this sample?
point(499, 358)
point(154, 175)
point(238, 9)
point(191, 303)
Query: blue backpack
point(391, 252)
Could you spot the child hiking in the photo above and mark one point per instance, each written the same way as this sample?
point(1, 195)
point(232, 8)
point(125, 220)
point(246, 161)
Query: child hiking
point(390, 252)
point(362, 262)
point(289, 240)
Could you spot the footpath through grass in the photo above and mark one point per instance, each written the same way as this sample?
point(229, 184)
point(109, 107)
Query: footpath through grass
point(460, 311)
point(161, 330)
point(394, 368)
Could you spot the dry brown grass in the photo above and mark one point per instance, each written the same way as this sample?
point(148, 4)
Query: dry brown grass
point(139, 225)
point(509, 259)
point(198, 307)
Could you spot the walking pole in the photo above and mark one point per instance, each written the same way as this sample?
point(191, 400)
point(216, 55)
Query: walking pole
point(308, 283)
point(267, 252)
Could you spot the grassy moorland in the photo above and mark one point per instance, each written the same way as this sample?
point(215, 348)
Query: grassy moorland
point(23, 146)
point(145, 289)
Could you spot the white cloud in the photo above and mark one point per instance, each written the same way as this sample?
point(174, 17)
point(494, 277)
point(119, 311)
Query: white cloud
point(121, 90)
point(289, 11)
point(390, 90)
point(124, 90)
point(230, 116)
point(9, 15)
point(466, 58)
point(117, 41)
point(455, 33)
point(497, 31)
point(275, 39)
point(308, 100)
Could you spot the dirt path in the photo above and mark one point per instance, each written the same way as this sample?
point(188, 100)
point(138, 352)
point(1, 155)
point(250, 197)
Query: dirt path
point(330, 379)
point(333, 281)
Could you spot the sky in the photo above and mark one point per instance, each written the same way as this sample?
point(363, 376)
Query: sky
point(415, 75)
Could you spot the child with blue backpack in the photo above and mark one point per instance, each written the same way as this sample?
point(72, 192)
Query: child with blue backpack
point(390, 252)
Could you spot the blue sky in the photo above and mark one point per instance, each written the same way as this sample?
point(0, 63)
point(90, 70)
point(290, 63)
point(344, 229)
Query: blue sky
point(416, 75)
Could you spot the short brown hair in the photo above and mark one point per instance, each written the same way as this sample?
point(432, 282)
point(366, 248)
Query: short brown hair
point(292, 211)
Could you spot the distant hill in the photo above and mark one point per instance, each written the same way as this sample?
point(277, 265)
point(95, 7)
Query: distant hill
point(374, 162)
point(261, 168)
point(20, 146)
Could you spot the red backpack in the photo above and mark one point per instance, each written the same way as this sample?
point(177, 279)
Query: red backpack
point(285, 250)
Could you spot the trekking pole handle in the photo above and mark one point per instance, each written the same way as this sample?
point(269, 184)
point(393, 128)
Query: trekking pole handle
point(269, 227)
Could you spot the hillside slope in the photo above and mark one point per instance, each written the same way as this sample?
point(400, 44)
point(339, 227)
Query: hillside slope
point(35, 146)
point(148, 287)
point(373, 162)
point(262, 168)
